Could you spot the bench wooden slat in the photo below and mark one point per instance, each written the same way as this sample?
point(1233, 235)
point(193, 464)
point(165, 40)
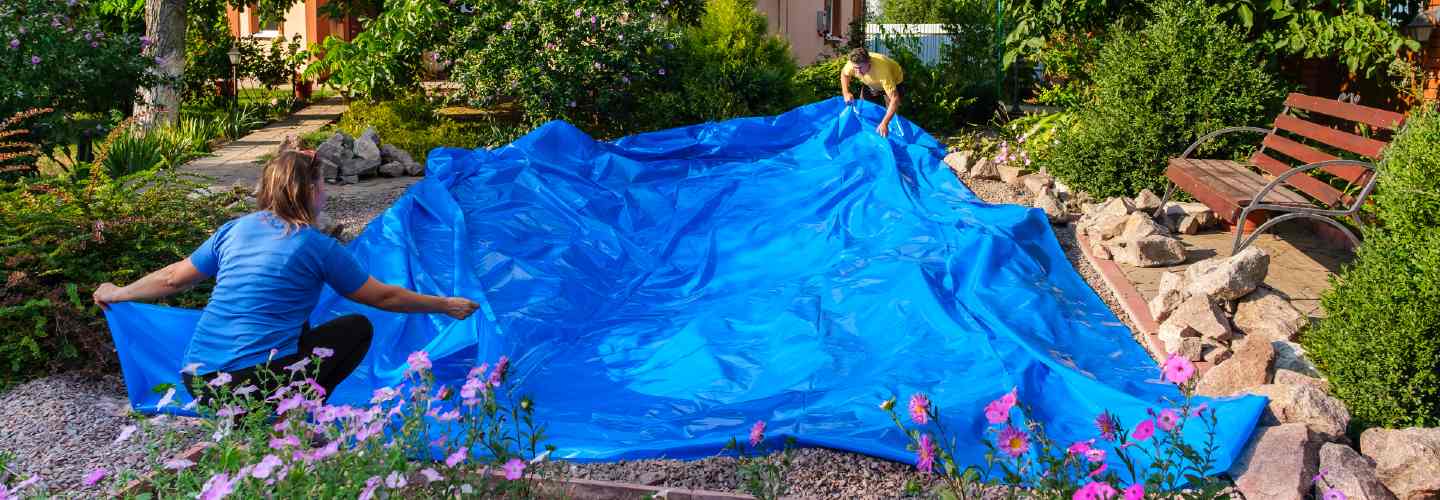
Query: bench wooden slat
point(1304, 182)
point(1226, 186)
point(1363, 146)
point(1307, 154)
point(1375, 117)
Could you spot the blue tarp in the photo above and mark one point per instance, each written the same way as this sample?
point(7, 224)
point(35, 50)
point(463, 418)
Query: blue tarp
point(661, 292)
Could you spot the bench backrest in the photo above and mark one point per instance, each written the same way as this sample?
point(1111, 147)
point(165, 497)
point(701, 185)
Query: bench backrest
point(1286, 147)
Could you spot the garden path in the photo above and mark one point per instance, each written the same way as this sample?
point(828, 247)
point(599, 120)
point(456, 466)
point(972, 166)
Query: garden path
point(238, 162)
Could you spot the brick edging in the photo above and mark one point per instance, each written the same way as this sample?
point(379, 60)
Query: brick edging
point(1129, 297)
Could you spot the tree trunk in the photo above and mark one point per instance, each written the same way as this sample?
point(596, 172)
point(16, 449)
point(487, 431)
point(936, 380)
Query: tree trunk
point(165, 26)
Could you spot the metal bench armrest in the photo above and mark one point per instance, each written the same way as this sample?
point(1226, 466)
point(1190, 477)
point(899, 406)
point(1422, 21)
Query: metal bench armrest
point(1207, 137)
point(1355, 204)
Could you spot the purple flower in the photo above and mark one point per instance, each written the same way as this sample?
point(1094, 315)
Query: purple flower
point(88, 36)
point(757, 433)
point(419, 362)
point(298, 365)
point(95, 476)
point(323, 352)
point(592, 20)
point(369, 491)
point(220, 379)
point(34, 60)
point(661, 72)
point(455, 458)
point(178, 464)
point(94, 45)
point(430, 475)
point(577, 13)
point(14, 43)
point(514, 469)
point(145, 42)
point(506, 26)
point(926, 461)
point(267, 465)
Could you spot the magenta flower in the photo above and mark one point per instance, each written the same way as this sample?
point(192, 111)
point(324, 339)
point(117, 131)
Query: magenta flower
point(283, 441)
point(1177, 369)
point(1135, 492)
point(219, 486)
point(919, 409)
point(577, 13)
point(1144, 430)
point(1080, 447)
point(926, 459)
point(246, 389)
point(998, 411)
point(267, 465)
point(1334, 494)
point(369, 491)
point(34, 60)
point(94, 45)
point(220, 379)
point(1167, 419)
point(14, 43)
point(1106, 425)
point(506, 27)
point(455, 458)
point(1014, 442)
point(757, 433)
point(661, 72)
point(514, 469)
point(1095, 455)
point(1320, 476)
point(1196, 411)
point(145, 42)
point(1097, 470)
point(1094, 491)
point(94, 477)
point(382, 395)
point(289, 403)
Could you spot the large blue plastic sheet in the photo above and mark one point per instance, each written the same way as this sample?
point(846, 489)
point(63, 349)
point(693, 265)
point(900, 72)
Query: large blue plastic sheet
point(661, 292)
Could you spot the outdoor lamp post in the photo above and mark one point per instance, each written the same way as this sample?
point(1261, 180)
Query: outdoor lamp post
point(234, 54)
point(1423, 25)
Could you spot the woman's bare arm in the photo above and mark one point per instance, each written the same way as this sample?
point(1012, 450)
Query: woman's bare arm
point(397, 299)
point(167, 281)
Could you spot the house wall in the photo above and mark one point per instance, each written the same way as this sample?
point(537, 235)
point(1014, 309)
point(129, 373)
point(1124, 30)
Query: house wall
point(795, 20)
point(303, 19)
point(1431, 62)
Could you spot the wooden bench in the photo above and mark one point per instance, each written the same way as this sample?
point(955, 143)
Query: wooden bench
point(1296, 171)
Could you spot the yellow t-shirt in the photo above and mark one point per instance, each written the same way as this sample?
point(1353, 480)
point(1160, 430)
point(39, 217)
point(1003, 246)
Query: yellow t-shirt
point(884, 73)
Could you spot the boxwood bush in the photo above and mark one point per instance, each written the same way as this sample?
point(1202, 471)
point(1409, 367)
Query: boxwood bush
point(1158, 89)
point(1379, 343)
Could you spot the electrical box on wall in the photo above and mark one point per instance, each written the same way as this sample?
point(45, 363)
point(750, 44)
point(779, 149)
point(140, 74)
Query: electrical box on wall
point(822, 21)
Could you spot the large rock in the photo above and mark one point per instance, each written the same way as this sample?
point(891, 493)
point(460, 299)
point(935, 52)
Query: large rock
point(1118, 206)
point(1304, 404)
point(1173, 334)
point(1278, 464)
point(1248, 367)
point(1105, 226)
point(359, 166)
point(1037, 183)
point(1291, 356)
point(1010, 175)
point(1229, 278)
point(1268, 314)
point(1187, 225)
point(1406, 460)
point(1352, 473)
point(367, 148)
point(1168, 296)
point(959, 161)
point(392, 169)
point(1215, 353)
point(1201, 213)
point(371, 136)
point(1147, 202)
point(1191, 348)
point(1138, 226)
point(414, 168)
point(331, 154)
point(1152, 251)
point(985, 169)
point(1203, 316)
point(1054, 210)
point(1292, 377)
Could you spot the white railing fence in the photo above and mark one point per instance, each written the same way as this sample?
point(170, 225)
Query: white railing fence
point(925, 39)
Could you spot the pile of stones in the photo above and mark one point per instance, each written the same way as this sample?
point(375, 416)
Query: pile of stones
point(1136, 232)
point(345, 160)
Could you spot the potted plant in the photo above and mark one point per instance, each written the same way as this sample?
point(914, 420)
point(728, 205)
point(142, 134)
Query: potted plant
point(295, 62)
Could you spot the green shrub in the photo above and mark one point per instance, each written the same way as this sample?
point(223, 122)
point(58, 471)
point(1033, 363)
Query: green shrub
point(60, 237)
point(1379, 343)
point(821, 81)
point(410, 123)
point(1157, 90)
point(387, 58)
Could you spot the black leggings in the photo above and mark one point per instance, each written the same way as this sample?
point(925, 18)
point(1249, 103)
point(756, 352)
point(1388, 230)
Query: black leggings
point(349, 336)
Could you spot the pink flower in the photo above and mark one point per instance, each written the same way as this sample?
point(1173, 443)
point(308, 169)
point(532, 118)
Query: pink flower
point(395, 480)
point(220, 379)
point(757, 433)
point(1014, 442)
point(472, 390)
point(178, 464)
point(1106, 425)
point(382, 395)
point(26, 483)
point(1321, 475)
point(230, 411)
point(1095, 455)
point(219, 486)
point(1080, 447)
point(125, 433)
point(1097, 470)
point(449, 416)
point(369, 491)
point(166, 399)
point(323, 352)
point(298, 365)
point(455, 458)
point(514, 469)
point(1144, 430)
point(430, 475)
point(1334, 494)
point(246, 389)
point(1135, 492)
point(281, 442)
point(419, 362)
point(1168, 419)
point(1177, 369)
point(289, 403)
point(267, 464)
point(926, 461)
point(94, 476)
point(919, 409)
point(998, 411)
point(1094, 491)
point(327, 451)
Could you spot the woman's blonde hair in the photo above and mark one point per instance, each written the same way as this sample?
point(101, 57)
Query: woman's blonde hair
point(287, 189)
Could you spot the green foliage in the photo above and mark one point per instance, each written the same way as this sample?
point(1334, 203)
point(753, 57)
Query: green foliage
point(1379, 343)
point(912, 11)
point(54, 55)
point(54, 231)
point(1157, 90)
point(411, 124)
point(763, 477)
point(387, 58)
point(132, 149)
point(272, 63)
point(960, 87)
point(821, 81)
point(727, 66)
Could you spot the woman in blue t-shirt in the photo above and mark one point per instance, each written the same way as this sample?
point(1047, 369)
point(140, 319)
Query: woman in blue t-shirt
point(269, 268)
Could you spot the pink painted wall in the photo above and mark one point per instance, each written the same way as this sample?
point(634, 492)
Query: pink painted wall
point(795, 20)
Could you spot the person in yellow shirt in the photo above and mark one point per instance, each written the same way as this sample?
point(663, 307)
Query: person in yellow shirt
point(879, 74)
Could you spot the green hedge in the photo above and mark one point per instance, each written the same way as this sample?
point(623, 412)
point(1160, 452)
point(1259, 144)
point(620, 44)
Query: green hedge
point(1158, 89)
point(411, 123)
point(1379, 343)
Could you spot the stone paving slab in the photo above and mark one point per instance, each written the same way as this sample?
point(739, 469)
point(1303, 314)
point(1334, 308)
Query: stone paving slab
point(238, 162)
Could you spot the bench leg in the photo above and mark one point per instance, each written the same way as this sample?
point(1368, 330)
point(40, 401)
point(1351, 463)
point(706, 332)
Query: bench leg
point(1160, 212)
point(1240, 228)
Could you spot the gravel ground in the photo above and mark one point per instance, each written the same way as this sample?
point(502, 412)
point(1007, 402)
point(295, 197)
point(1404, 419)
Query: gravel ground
point(64, 426)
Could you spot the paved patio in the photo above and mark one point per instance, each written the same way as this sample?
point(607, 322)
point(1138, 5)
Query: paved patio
point(238, 162)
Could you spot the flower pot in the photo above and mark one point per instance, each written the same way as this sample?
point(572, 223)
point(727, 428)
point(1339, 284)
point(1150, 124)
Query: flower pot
point(303, 90)
point(225, 87)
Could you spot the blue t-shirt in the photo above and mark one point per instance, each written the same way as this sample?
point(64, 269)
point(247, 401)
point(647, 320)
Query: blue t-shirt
point(266, 284)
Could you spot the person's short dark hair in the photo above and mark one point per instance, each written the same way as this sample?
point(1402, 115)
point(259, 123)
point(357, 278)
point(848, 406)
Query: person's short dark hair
point(859, 55)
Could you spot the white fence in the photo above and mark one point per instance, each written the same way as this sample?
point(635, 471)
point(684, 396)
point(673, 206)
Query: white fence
point(925, 39)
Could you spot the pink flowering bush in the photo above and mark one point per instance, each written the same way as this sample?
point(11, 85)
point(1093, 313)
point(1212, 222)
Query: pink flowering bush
point(1022, 458)
point(289, 444)
point(762, 476)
